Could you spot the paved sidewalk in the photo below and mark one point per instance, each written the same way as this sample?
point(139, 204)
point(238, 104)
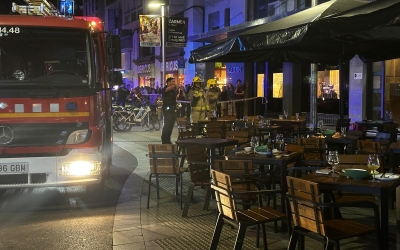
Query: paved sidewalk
point(162, 227)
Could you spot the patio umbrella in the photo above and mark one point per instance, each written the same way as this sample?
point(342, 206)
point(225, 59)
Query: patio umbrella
point(316, 35)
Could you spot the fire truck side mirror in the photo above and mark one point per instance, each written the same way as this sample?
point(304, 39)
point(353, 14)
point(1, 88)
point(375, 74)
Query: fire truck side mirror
point(113, 51)
point(115, 78)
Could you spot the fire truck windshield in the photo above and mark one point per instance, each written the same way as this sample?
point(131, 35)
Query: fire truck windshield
point(30, 55)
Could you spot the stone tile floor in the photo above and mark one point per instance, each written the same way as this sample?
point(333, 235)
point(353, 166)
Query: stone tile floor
point(162, 227)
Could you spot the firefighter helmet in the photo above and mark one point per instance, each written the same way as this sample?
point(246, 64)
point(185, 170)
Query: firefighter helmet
point(211, 83)
point(197, 79)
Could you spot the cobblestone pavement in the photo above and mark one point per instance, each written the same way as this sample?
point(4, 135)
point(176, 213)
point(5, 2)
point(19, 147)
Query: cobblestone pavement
point(162, 227)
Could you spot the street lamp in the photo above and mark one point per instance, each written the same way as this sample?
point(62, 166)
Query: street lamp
point(162, 5)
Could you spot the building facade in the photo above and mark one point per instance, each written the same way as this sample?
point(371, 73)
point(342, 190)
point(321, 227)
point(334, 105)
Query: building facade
point(284, 85)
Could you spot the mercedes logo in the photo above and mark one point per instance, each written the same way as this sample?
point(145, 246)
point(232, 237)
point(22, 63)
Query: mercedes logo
point(6, 134)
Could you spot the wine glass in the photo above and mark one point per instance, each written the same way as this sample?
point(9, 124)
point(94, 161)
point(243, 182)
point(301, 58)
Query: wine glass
point(280, 142)
point(321, 125)
point(254, 142)
point(333, 160)
point(373, 164)
point(285, 113)
point(245, 119)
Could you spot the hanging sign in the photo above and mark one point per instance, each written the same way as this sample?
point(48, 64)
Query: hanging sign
point(150, 31)
point(177, 30)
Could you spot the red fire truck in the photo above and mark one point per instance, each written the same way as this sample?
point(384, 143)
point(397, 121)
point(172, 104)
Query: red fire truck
point(55, 100)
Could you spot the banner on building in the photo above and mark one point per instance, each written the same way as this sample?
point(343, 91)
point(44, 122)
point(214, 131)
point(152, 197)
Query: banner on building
point(150, 30)
point(177, 30)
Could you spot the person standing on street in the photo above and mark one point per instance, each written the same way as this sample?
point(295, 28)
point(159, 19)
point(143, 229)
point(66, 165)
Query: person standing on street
point(198, 100)
point(239, 94)
point(169, 106)
point(224, 99)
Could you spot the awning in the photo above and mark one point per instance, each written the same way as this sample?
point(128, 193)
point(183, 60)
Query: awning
point(316, 35)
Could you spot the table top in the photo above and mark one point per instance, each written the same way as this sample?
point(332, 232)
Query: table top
point(258, 158)
point(207, 141)
point(345, 139)
point(347, 184)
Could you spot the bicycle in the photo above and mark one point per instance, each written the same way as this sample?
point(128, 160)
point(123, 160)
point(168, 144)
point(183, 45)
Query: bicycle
point(124, 118)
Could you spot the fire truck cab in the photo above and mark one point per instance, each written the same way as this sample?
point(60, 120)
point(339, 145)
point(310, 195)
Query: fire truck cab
point(55, 99)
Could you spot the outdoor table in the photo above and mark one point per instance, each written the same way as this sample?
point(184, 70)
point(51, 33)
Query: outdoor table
point(381, 189)
point(225, 125)
point(281, 163)
point(210, 143)
point(348, 139)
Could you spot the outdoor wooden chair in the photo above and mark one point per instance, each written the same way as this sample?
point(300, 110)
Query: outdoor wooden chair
point(243, 138)
point(199, 173)
point(374, 147)
point(214, 130)
point(182, 124)
point(185, 134)
point(305, 164)
point(245, 169)
point(164, 162)
point(225, 191)
point(307, 212)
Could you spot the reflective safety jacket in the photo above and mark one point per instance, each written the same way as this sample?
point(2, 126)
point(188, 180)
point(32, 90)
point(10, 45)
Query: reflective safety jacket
point(198, 100)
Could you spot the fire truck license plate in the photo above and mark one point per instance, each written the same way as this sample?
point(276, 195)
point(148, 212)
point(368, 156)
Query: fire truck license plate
point(17, 167)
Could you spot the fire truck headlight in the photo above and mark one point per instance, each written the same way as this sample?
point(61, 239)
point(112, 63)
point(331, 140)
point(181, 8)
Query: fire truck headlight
point(80, 168)
point(78, 136)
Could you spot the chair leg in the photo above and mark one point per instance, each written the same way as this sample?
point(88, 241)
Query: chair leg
point(158, 187)
point(148, 192)
point(217, 232)
point(187, 200)
point(176, 185)
point(293, 239)
point(181, 198)
point(208, 198)
point(240, 236)
point(264, 231)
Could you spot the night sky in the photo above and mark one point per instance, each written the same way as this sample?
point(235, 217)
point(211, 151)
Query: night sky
point(5, 5)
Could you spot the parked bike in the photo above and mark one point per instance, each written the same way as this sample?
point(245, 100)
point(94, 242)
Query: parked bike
point(124, 118)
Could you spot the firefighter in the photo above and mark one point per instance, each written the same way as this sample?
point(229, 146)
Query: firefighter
point(198, 100)
point(212, 97)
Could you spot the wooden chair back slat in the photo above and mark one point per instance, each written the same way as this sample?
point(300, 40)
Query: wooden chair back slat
point(225, 202)
point(196, 153)
point(352, 159)
point(368, 147)
point(233, 167)
point(186, 134)
point(163, 158)
point(237, 168)
point(303, 196)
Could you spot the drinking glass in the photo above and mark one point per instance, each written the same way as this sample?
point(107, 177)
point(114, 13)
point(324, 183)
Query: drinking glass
point(321, 126)
point(285, 113)
point(373, 164)
point(280, 143)
point(343, 131)
point(297, 116)
point(268, 122)
point(254, 142)
point(245, 119)
point(333, 160)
